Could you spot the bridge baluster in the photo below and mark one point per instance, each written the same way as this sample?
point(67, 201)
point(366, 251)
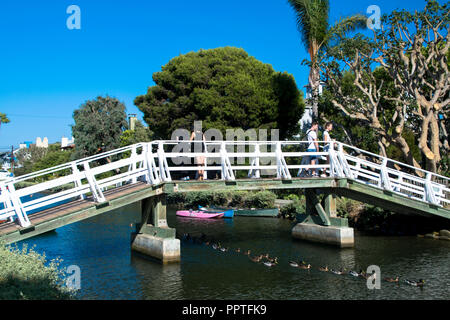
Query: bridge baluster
point(96, 192)
point(164, 171)
point(77, 178)
point(17, 205)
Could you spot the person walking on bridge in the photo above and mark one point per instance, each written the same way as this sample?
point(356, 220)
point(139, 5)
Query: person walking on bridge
point(199, 147)
point(313, 146)
point(327, 138)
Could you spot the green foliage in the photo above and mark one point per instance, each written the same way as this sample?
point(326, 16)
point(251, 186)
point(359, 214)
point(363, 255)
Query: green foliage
point(346, 129)
point(26, 275)
point(3, 118)
point(35, 158)
point(225, 88)
point(98, 126)
point(259, 200)
point(139, 134)
point(235, 199)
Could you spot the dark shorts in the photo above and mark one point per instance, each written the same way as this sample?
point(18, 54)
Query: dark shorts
point(312, 157)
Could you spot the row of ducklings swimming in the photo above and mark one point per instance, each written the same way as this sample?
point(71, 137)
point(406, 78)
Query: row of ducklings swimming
point(271, 262)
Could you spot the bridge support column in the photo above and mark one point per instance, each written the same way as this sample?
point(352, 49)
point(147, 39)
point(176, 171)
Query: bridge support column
point(154, 238)
point(320, 224)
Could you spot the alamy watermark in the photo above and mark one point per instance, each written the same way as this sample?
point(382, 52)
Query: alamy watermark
point(73, 281)
point(374, 21)
point(74, 20)
point(373, 277)
point(214, 137)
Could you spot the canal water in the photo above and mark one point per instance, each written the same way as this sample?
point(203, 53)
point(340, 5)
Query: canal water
point(100, 246)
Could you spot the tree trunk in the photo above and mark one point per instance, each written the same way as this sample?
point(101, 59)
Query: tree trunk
point(314, 79)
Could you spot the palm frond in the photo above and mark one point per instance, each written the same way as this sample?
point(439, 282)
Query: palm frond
point(346, 25)
point(312, 20)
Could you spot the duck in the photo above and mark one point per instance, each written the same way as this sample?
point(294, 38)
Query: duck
point(353, 273)
point(293, 264)
point(337, 271)
point(223, 249)
point(238, 250)
point(271, 264)
point(248, 252)
point(324, 269)
point(362, 274)
point(215, 246)
point(256, 259)
point(304, 266)
point(419, 283)
point(391, 279)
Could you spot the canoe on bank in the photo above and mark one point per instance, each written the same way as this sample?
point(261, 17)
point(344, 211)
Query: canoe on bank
point(199, 214)
point(254, 212)
point(227, 213)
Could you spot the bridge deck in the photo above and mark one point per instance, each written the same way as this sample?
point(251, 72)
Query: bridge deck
point(78, 210)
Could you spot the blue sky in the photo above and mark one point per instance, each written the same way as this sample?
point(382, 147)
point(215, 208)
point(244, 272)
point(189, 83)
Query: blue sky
point(47, 71)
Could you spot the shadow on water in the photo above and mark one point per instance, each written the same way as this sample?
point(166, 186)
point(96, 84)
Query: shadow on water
point(100, 246)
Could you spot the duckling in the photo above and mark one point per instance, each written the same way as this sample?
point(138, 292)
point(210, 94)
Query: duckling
point(238, 250)
point(271, 259)
point(353, 273)
point(294, 264)
point(324, 269)
point(419, 283)
point(248, 252)
point(271, 264)
point(391, 279)
point(337, 271)
point(362, 274)
point(256, 259)
point(306, 267)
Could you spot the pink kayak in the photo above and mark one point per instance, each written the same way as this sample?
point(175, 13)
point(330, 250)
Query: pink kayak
point(199, 214)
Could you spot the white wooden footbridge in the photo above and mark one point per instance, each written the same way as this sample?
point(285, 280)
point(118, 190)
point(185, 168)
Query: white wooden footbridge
point(45, 200)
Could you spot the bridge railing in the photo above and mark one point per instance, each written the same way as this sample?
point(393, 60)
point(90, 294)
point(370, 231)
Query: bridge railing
point(395, 176)
point(158, 161)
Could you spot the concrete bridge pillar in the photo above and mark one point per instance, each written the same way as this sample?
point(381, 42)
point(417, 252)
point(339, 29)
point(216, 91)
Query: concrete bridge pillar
point(320, 223)
point(154, 238)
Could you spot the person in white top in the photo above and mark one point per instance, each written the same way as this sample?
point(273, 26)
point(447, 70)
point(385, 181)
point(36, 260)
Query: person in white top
point(327, 138)
point(313, 145)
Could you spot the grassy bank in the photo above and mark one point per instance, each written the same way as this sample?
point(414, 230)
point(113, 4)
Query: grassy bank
point(26, 275)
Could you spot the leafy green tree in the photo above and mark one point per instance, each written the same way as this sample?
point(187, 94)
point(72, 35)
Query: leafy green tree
point(3, 118)
point(36, 158)
point(98, 126)
point(312, 17)
point(53, 157)
point(225, 88)
point(139, 134)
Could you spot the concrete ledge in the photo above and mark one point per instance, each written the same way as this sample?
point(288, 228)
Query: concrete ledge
point(165, 249)
point(340, 236)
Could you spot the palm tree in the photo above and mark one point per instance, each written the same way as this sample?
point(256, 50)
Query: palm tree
point(312, 22)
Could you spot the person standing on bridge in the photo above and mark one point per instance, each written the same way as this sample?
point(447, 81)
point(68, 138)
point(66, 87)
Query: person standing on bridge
point(199, 146)
point(313, 145)
point(327, 138)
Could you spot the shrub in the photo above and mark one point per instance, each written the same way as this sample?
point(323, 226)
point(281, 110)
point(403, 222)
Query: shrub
point(25, 274)
point(260, 200)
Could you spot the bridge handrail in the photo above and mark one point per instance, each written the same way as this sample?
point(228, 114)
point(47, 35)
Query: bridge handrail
point(394, 161)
